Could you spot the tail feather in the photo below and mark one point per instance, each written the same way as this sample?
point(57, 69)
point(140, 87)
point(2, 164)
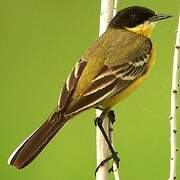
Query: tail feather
point(35, 143)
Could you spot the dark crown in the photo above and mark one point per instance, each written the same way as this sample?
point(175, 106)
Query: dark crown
point(131, 17)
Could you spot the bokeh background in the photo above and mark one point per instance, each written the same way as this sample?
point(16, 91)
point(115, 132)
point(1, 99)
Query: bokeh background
point(40, 40)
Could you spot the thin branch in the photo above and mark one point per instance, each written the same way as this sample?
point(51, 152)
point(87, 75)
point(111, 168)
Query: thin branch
point(174, 106)
point(115, 168)
point(115, 7)
point(102, 150)
point(108, 10)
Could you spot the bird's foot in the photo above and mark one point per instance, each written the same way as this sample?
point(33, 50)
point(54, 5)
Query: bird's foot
point(115, 158)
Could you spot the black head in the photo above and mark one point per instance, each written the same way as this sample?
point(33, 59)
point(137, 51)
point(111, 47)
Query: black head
point(135, 15)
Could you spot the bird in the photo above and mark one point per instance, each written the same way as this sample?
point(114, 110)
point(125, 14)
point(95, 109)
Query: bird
point(107, 72)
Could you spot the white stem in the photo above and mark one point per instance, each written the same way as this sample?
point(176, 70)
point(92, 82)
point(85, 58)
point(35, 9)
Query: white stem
point(115, 7)
point(174, 106)
point(115, 168)
point(102, 150)
point(108, 10)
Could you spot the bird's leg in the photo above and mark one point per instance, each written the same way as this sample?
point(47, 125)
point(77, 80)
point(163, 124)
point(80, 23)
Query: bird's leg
point(111, 117)
point(102, 164)
point(99, 122)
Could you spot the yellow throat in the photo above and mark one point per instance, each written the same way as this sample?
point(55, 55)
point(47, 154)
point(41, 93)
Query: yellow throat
point(143, 29)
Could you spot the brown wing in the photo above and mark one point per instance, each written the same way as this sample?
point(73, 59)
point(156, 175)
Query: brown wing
point(70, 84)
point(110, 81)
point(114, 61)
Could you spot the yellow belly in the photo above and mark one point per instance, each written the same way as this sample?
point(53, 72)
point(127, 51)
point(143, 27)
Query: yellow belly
point(127, 91)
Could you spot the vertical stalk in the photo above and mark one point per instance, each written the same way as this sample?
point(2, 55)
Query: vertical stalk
point(115, 168)
point(174, 105)
point(108, 10)
point(102, 150)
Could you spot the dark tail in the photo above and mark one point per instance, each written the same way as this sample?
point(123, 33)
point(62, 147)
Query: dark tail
point(29, 149)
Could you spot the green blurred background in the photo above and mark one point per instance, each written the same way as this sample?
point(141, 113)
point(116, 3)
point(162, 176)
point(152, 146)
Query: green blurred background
point(40, 41)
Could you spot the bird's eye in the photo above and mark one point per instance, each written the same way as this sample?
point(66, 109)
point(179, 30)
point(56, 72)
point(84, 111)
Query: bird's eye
point(134, 17)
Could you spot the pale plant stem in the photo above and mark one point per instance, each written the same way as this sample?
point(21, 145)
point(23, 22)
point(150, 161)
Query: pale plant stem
point(115, 7)
point(174, 106)
point(115, 168)
point(102, 150)
point(108, 10)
